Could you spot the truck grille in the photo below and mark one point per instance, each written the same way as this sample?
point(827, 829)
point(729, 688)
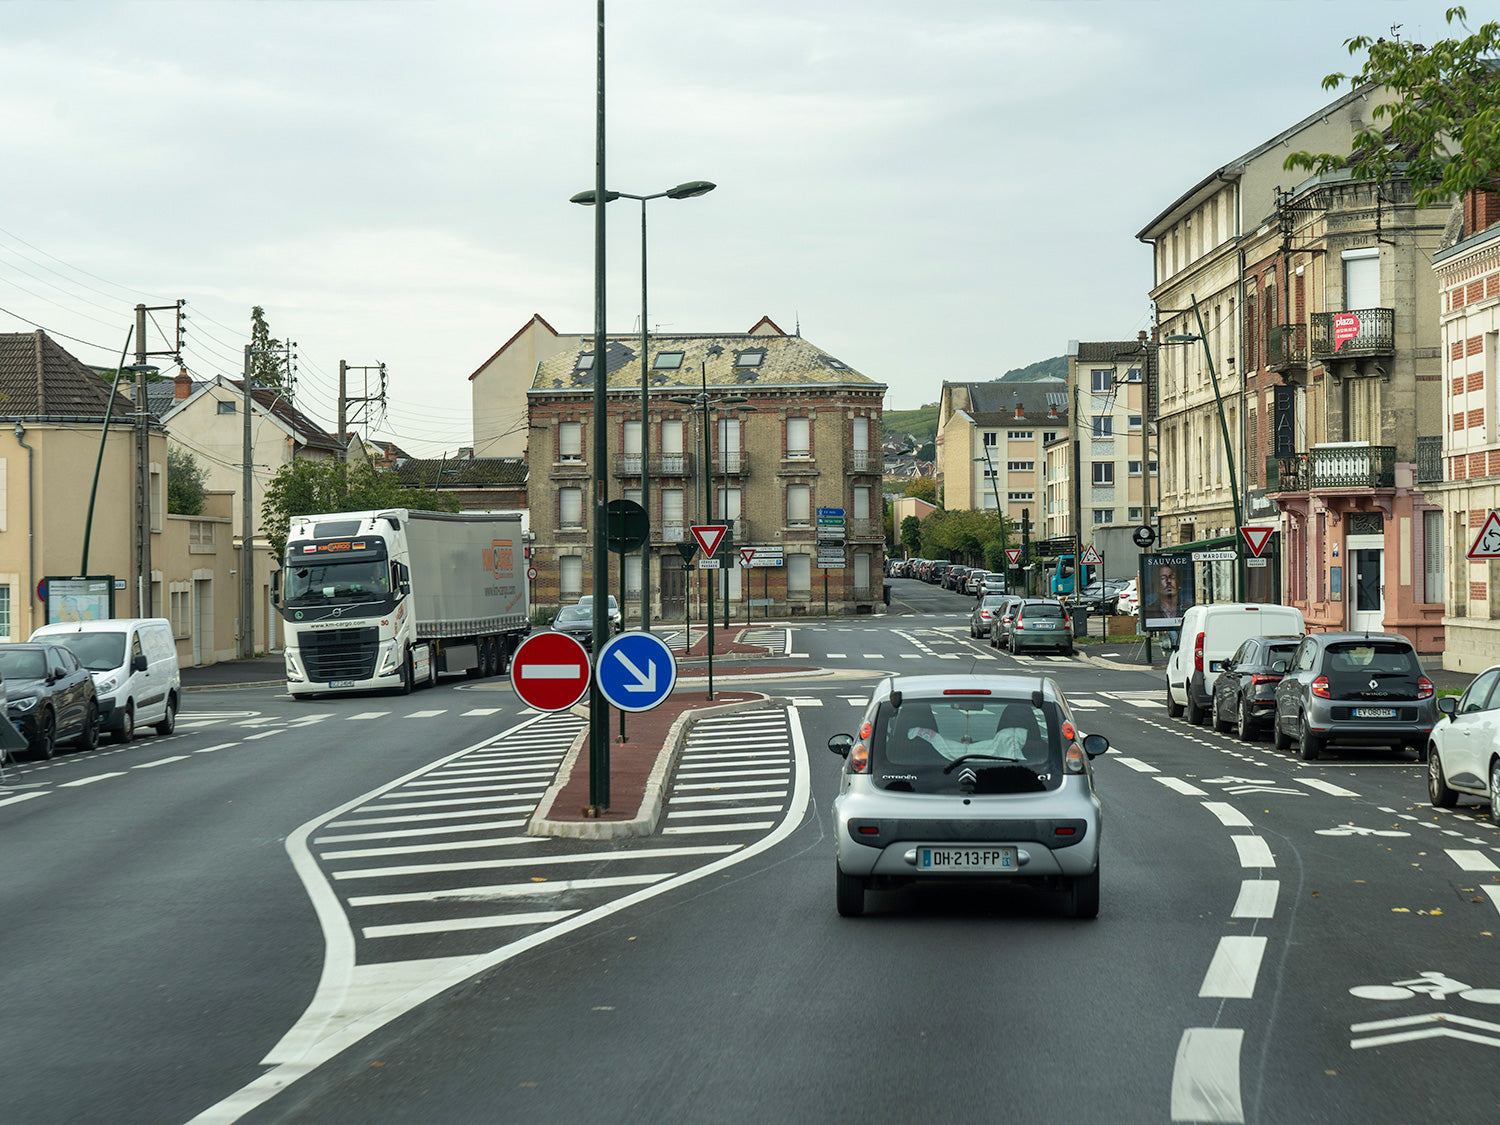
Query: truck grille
point(340, 654)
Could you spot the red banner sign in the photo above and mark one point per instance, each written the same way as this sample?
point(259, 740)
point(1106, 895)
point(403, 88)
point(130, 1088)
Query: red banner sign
point(1345, 327)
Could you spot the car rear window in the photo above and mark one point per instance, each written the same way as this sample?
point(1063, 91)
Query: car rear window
point(1279, 652)
point(1370, 658)
point(966, 745)
point(1042, 609)
point(992, 600)
point(23, 664)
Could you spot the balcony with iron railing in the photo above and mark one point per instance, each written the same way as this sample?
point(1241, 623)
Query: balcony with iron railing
point(731, 463)
point(662, 465)
point(1429, 460)
point(1333, 467)
point(1286, 347)
point(1353, 334)
point(866, 461)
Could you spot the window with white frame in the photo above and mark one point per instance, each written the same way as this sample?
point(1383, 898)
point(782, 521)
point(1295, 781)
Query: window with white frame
point(570, 508)
point(673, 530)
point(862, 502)
point(1049, 437)
point(630, 444)
point(798, 505)
point(1135, 421)
point(799, 576)
point(798, 438)
point(5, 612)
point(861, 435)
point(671, 437)
point(1021, 435)
point(991, 437)
point(228, 407)
point(1104, 472)
point(570, 576)
point(632, 575)
point(1134, 468)
point(1104, 426)
point(729, 503)
point(1135, 515)
point(1133, 375)
point(180, 612)
point(1021, 466)
point(570, 441)
point(1104, 515)
point(1103, 380)
point(1021, 497)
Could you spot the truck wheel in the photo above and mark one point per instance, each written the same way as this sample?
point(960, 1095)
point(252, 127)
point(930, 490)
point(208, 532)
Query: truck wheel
point(408, 675)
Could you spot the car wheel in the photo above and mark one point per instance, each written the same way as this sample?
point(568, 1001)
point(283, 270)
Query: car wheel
point(1278, 738)
point(1494, 788)
point(850, 893)
point(1174, 709)
point(1194, 712)
point(1438, 793)
point(45, 743)
point(1245, 729)
point(168, 721)
point(125, 731)
point(1083, 895)
point(88, 738)
point(1221, 726)
point(1308, 744)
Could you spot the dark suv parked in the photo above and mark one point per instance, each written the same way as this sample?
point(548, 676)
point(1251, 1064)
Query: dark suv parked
point(1353, 687)
point(1245, 692)
point(50, 697)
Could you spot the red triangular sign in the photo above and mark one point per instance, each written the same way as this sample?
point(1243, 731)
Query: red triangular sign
point(1486, 544)
point(1013, 554)
point(1090, 556)
point(747, 555)
point(1256, 539)
point(709, 537)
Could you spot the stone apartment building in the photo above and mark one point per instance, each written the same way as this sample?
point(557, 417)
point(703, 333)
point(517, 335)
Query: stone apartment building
point(1463, 472)
point(807, 437)
point(990, 443)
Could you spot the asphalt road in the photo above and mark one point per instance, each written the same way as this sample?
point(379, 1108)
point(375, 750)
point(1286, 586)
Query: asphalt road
point(1279, 941)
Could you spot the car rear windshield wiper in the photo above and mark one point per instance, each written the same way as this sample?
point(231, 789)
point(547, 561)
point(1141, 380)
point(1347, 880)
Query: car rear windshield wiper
point(951, 766)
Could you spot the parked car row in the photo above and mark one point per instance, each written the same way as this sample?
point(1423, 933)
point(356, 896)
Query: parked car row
point(74, 680)
point(1019, 624)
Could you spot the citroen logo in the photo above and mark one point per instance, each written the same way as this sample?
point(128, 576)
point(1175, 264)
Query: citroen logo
point(968, 777)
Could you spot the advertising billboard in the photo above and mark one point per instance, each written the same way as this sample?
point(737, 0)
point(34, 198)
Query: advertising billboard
point(1166, 585)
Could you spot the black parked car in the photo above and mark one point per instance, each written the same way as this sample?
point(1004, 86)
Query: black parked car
point(1353, 687)
point(1245, 690)
point(578, 622)
point(50, 697)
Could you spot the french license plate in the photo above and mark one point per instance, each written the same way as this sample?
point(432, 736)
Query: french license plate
point(966, 859)
point(1374, 712)
point(341, 683)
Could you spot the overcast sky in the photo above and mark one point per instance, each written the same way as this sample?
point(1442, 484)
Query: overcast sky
point(942, 190)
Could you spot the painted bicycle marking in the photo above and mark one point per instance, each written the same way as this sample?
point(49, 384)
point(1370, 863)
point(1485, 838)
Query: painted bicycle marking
point(1359, 830)
point(1439, 986)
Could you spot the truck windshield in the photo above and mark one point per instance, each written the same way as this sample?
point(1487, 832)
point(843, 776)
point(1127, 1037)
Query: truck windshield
point(347, 581)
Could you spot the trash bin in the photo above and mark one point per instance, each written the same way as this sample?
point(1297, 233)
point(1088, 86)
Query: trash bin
point(887, 593)
point(1080, 619)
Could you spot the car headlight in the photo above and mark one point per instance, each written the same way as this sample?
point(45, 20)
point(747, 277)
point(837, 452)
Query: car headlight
point(22, 705)
point(107, 684)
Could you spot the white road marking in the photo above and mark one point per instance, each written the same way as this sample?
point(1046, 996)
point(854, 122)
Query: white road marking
point(22, 797)
point(726, 784)
point(1471, 861)
point(401, 833)
point(1187, 787)
point(512, 890)
point(1228, 815)
point(837, 656)
point(1137, 765)
point(706, 773)
point(523, 861)
point(767, 795)
point(1327, 787)
point(1232, 972)
point(698, 829)
point(1254, 851)
point(1206, 1076)
point(263, 734)
point(220, 746)
point(160, 762)
point(446, 846)
point(1257, 899)
point(90, 780)
point(537, 791)
point(481, 711)
point(366, 715)
point(736, 810)
point(422, 818)
point(1442, 1030)
point(430, 714)
point(410, 929)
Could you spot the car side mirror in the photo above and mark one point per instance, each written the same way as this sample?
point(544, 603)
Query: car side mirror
point(138, 662)
point(1095, 744)
point(1281, 667)
point(1448, 705)
point(841, 744)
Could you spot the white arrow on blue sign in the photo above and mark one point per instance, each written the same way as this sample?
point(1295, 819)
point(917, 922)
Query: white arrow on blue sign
point(635, 671)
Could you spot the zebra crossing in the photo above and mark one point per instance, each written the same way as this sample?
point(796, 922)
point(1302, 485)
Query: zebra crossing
point(733, 777)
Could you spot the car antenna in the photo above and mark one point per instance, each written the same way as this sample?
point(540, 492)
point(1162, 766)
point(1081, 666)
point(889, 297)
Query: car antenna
point(1036, 696)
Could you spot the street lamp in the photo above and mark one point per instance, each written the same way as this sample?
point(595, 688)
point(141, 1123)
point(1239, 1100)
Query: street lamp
point(729, 408)
point(999, 511)
point(687, 190)
point(1201, 336)
point(702, 400)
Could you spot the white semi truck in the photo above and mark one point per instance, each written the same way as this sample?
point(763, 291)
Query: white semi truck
point(390, 599)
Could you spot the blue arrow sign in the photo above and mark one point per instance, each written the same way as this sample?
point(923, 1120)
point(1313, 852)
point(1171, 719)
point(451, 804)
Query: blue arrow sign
point(635, 671)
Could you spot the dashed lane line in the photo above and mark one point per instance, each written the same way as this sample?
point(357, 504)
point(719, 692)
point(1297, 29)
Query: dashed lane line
point(90, 780)
point(1236, 965)
point(160, 762)
point(1257, 898)
point(1471, 861)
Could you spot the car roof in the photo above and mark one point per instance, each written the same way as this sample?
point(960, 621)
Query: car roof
point(933, 687)
point(1334, 638)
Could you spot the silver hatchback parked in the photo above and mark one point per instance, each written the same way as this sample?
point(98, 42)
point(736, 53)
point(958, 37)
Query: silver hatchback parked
point(976, 780)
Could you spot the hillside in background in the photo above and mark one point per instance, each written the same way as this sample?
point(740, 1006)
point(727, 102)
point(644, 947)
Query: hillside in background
point(922, 422)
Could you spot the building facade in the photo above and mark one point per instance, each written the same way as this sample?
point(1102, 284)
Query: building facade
point(991, 443)
point(1106, 381)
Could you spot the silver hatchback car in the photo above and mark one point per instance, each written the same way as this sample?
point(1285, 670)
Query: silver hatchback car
point(970, 779)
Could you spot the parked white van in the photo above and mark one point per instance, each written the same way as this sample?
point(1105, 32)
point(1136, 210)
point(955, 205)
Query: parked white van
point(134, 662)
point(1210, 635)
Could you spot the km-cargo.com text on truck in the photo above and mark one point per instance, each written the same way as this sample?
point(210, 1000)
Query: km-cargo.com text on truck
point(390, 599)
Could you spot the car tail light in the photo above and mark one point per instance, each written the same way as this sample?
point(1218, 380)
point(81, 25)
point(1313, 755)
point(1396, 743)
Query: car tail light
point(1198, 654)
point(869, 830)
point(859, 758)
point(966, 691)
point(1424, 688)
point(1074, 759)
point(1264, 678)
point(984, 614)
point(1320, 688)
point(1068, 731)
point(1069, 830)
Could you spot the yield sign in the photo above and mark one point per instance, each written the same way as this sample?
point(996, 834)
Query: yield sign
point(550, 671)
point(747, 555)
point(1486, 544)
point(1256, 539)
point(1090, 557)
point(709, 537)
point(1013, 554)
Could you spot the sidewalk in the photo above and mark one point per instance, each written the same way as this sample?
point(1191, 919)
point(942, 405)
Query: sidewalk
point(267, 670)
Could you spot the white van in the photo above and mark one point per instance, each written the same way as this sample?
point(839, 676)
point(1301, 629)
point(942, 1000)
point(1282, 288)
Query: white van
point(134, 662)
point(1209, 636)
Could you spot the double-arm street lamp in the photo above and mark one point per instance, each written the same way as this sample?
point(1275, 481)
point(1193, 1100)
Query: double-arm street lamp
point(588, 198)
point(989, 470)
point(703, 400)
point(728, 408)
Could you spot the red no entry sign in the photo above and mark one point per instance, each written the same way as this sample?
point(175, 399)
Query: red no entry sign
point(550, 671)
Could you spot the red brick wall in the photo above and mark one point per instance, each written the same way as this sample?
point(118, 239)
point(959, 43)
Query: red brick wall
point(1481, 210)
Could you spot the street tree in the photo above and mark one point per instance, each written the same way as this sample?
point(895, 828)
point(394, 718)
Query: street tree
point(307, 487)
point(187, 484)
point(923, 488)
point(1441, 130)
point(268, 359)
point(911, 537)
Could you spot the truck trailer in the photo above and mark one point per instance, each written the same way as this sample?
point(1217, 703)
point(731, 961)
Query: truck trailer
point(390, 599)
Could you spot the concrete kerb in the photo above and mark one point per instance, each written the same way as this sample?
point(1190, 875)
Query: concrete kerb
point(234, 687)
point(646, 818)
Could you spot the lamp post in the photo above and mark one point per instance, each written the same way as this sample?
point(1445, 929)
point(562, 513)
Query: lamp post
point(703, 401)
point(999, 511)
point(587, 198)
point(1201, 336)
point(729, 408)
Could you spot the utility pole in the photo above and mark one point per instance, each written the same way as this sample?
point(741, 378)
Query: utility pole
point(247, 527)
point(142, 471)
point(345, 400)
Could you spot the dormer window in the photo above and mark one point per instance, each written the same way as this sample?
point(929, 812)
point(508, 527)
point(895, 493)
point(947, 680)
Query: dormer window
point(750, 358)
point(667, 361)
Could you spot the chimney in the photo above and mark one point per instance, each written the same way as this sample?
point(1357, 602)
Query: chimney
point(1019, 412)
point(183, 385)
point(1052, 411)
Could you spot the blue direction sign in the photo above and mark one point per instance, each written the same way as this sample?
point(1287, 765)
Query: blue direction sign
point(635, 671)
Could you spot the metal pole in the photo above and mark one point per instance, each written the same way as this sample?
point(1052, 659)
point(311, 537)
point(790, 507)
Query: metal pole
point(143, 468)
point(645, 450)
point(109, 409)
point(1234, 488)
point(598, 707)
point(708, 509)
point(247, 528)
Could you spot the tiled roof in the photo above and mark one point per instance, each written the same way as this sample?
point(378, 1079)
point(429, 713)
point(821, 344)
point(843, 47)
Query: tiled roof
point(994, 404)
point(39, 379)
point(785, 360)
point(1110, 351)
point(306, 431)
point(461, 472)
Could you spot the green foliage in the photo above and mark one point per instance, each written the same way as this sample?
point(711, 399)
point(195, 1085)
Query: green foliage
point(187, 486)
point(1054, 368)
point(304, 488)
point(911, 537)
point(961, 536)
point(1442, 130)
point(919, 424)
point(268, 363)
point(923, 488)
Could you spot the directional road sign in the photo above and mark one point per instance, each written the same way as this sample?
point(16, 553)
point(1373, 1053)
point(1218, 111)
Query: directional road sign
point(1256, 539)
point(1486, 544)
point(709, 536)
point(550, 671)
point(762, 556)
point(636, 671)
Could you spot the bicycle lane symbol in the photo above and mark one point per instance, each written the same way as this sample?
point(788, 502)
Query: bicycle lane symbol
point(1430, 1025)
point(1359, 830)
